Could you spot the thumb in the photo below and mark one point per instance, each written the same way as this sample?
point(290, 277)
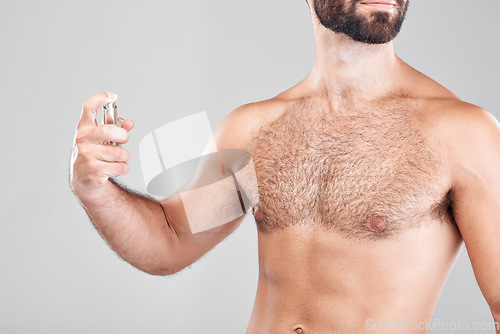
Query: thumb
point(90, 106)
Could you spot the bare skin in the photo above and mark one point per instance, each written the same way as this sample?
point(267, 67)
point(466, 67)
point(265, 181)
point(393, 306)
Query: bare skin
point(371, 235)
point(370, 175)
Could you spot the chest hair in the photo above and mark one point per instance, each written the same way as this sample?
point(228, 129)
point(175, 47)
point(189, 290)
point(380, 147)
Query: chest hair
point(336, 170)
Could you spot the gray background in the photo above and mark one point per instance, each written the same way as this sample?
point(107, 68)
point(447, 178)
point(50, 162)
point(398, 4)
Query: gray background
point(168, 59)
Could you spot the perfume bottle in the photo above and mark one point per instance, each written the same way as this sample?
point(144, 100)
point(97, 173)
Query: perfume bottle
point(110, 116)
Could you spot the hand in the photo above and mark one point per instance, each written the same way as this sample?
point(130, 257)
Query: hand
point(92, 161)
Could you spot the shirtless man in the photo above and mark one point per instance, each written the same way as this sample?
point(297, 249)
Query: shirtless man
point(370, 176)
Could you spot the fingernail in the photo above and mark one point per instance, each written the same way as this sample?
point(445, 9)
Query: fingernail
point(112, 96)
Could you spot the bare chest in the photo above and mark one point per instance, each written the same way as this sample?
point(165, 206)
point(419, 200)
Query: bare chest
point(342, 173)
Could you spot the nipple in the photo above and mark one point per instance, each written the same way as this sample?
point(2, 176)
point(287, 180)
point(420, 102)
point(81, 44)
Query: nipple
point(377, 224)
point(257, 213)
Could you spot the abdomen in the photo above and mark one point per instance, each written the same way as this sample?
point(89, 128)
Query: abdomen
point(325, 283)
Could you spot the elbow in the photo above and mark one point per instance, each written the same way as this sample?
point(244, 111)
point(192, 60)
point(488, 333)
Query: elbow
point(161, 270)
point(163, 261)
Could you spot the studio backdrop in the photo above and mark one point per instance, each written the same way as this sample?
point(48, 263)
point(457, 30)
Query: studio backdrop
point(167, 60)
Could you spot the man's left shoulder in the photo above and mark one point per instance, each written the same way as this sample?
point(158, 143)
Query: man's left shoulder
point(457, 120)
point(471, 134)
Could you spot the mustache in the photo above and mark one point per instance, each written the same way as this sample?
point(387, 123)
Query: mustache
point(397, 3)
point(400, 4)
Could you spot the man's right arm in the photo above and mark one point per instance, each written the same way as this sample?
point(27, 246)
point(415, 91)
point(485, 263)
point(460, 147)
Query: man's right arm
point(153, 236)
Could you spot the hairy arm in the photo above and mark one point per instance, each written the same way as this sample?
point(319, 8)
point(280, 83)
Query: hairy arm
point(133, 225)
point(153, 236)
point(475, 141)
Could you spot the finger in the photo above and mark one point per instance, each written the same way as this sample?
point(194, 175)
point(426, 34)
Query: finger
point(112, 153)
point(90, 106)
point(115, 169)
point(127, 124)
point(105, 133)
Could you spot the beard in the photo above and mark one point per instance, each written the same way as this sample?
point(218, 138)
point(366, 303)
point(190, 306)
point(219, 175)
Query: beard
point(341, 16)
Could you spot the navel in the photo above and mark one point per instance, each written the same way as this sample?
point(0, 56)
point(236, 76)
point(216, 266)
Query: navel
point(298, 330)
point(377, 224)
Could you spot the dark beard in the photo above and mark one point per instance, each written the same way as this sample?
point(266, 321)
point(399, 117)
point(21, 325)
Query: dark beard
point(379, 28)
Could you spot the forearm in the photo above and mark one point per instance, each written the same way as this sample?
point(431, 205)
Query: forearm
point(135, 226)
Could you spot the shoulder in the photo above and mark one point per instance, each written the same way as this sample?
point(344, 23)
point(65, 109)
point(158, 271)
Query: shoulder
point(238, 128)
point(471, 136)
point(464, 123)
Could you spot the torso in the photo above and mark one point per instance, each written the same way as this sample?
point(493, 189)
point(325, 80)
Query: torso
point(336, 170)
point(353, 216)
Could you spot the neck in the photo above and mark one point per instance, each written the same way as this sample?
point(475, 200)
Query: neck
point(344, 67)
